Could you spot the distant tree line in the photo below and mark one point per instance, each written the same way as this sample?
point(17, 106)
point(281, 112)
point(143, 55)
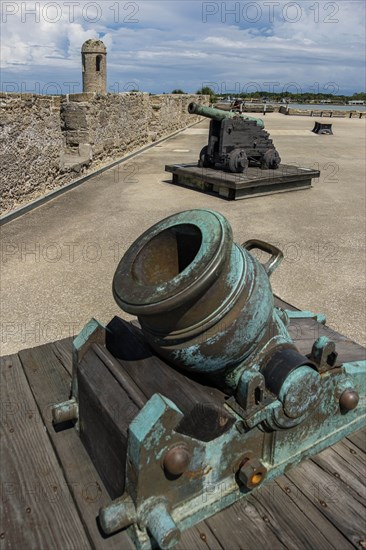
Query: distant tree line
point(306, 97)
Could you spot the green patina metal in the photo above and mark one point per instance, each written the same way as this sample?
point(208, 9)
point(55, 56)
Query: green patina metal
point(214, 315)
point(205, 304)
point(319, 317)
point(219, 114)
point(93, 332)
point(191, 498)
point(65, 411)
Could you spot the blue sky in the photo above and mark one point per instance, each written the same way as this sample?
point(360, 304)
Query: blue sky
point(156, 46)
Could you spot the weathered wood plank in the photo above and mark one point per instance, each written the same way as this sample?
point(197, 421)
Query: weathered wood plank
point(133, 391)
point(354, 456)
point(332, 499)
point(37, 508)
point(301, 507)
point(359, 439)
point(305, 331)
point(305, 517)
point(243, 527)
point(151, 374)
point(200, 537)
point(63, 351)
point(106, 412)
point(254, 183)
point(285, 518)
point(349, 472)
point(50, 383)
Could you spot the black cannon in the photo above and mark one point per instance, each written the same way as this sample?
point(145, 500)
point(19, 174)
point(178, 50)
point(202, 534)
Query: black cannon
point(235, 141)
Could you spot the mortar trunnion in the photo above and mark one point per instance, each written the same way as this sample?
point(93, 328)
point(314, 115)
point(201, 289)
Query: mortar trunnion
point(229, 400)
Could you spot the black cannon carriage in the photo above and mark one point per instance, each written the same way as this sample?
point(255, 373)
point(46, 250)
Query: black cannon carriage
point(235, 141)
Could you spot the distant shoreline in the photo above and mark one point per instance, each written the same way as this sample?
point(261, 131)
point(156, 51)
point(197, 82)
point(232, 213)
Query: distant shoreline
point(251, 106)
point(323, 107)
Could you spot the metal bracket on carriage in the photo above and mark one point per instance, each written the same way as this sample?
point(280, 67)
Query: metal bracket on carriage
point(168, 472)
point(211, 392)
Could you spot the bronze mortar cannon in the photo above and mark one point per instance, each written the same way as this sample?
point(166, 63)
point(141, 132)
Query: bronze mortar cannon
point(205, 305)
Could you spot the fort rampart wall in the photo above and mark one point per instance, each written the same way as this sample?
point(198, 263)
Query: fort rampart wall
point(49, 141)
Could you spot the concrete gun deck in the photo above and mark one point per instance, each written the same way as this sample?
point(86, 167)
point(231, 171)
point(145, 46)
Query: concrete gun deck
point(56, 271)
point(58, 260)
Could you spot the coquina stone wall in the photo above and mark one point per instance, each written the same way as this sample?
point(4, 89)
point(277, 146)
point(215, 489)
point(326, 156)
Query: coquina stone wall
point(48, 141)
point(30, 145)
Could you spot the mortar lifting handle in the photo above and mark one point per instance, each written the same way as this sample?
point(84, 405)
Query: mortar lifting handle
point(276, 254)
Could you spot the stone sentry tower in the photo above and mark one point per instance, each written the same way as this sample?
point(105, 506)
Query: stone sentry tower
point(94, 59)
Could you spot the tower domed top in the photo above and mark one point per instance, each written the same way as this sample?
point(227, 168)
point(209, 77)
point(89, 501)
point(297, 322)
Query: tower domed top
point(94, 60)
point(93, 46)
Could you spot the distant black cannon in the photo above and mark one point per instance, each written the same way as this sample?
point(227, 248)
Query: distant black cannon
point(322, 128)
point(235, 141)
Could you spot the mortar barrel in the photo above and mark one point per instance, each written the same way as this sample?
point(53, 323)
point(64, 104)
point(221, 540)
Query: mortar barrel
point(202, 301)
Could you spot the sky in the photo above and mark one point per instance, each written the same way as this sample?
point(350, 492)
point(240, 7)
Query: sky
point(157, 46)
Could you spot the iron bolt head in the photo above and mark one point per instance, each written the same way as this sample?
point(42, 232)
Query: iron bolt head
point(176, 460)
point(349, 400)
point(252, 473)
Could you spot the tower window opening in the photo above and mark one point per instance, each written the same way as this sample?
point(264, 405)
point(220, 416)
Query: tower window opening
point(98, 62)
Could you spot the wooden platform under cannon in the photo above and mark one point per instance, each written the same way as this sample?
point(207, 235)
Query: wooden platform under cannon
point(254, 182)
point(51, 491)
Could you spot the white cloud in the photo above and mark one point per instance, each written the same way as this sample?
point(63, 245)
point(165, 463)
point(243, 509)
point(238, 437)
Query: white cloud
point(165, 44)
